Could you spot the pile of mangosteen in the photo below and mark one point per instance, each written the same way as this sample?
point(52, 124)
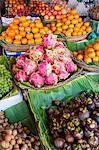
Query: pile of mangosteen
point(75, 125)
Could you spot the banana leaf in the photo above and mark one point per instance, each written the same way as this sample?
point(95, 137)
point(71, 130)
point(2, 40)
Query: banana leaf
point(39, 100)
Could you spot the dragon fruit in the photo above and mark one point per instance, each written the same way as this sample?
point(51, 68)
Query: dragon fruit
point(30, 66)
point(21, 76)
point(49, 41)
point(20, 60)
point(63, 75)
point(36, 79)
point(36, 53)
point(58, 67)
point(50, 56)
point(59, 45)
point(44, 68)
point(51, 79)
point(70, 67)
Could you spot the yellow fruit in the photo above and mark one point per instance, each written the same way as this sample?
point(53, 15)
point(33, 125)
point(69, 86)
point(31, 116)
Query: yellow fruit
point(71, 26)
point(67, 22)
point(58, 24)
point(88, 29)
point(73, 11)
point(74, 21)
point(96, 59)
point(38, 40)
point(79, 57)
point(31, 41)
point(96, 46)
point(86, 24)
point(64, 27)
point(37, 35)
point(74, 33)
point(92, 54)
point(79, 33)
point(87, 60)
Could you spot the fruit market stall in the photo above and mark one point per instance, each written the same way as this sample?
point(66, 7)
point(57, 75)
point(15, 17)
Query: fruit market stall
point(49, 75)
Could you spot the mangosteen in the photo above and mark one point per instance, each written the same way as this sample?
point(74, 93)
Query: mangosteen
point(91, 124)
point(97, 132)
point(84, 144)
point(76, 147)
point(50, 111)
point(69, 147)
point(90, 105)
point(60, 130)
point(76, 121)
point(96, 101)
point(70, 126)
point(93, 141)
point(96, 116)
point(66, 115)
point(56, 102)
point(83, 114)
point(69, 138)
point(59, 143)
point(88, 133)
point(78, 133)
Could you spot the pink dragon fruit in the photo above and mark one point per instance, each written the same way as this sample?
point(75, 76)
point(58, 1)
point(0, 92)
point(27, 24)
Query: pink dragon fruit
point(51, 79)
point(59, 45)
point(49, 41)
point(58, 67)
point(36, 53)
point(70, 67)
point(50, 56)
point(36, 79)
point(21, 76)
point(63, 75)
point(44, 68)
point(20, 60)
point(29, 66)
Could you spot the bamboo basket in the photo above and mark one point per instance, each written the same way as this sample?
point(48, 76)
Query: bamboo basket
point(83, 65)
point(15, 48)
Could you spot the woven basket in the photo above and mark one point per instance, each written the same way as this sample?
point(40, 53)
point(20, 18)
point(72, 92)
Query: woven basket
point(83, 65)
point(74, 76)
point(14, 48)
point(73, 38)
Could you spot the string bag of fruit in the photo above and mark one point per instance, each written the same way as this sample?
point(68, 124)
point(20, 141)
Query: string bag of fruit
point(46, 64)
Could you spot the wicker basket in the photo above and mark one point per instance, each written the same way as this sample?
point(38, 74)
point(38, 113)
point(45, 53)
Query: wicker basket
point(83, 65)
point(73, 38)
point(74, 76)
point(14, 48)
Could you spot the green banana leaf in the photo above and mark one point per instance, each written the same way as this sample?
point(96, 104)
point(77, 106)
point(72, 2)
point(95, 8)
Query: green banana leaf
point(76, 46)
point(39, 100)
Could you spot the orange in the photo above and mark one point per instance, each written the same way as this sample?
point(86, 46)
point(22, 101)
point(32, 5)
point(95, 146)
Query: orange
point(37, 35)
point(53, 29)
point(4, 34)
point(96, 59)
point(58, 24)
point(53, 24)
point(79, 57)
point(79, 33)
point(8, 40)
point(31, 41)
point(37, 20)
point(74, 33)
point(12, 24)
point(64, 16)
point(17, 42)
point(83, 28)
point(68, 33)
point(79, 19)
point(74, 21)
point(67, 22)
point(49, 32)
point(64, 27)
point(16, 20)
point(70, 30)
point(22, 33)
point(42, 31)
point(88, 29)
point(59, 29)
point(38, 40)
point(18, 37)
point(89, 49)
point(92, 54)
point(46, 29)
point(15, 27)
point(96, 46)
point(29, 36)
point(73, 11)
point(86, 24)
point(11, 33)
point(71, 26)
point(87, 60)
point(97, 53)
point(76, 16)
point(70, 17)
point(22, 18)
point(20, 24)
point(1, 38)
point(35, 30)
point(25, 24)
point(39, 25)
point(76, 29)
point(28, 29)
point(21, 28)
point(64, 20)
point(16, 31)
point(48, 25)
point(32, 25)
point(75, 54)
point(24, 41)
point(57, 32)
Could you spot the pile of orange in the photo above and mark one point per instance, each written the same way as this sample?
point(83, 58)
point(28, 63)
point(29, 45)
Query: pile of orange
point(70, 25)
point(89, 55)
point(22, 32)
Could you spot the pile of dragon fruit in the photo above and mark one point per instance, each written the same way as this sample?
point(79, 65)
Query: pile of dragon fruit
point(45, 64)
